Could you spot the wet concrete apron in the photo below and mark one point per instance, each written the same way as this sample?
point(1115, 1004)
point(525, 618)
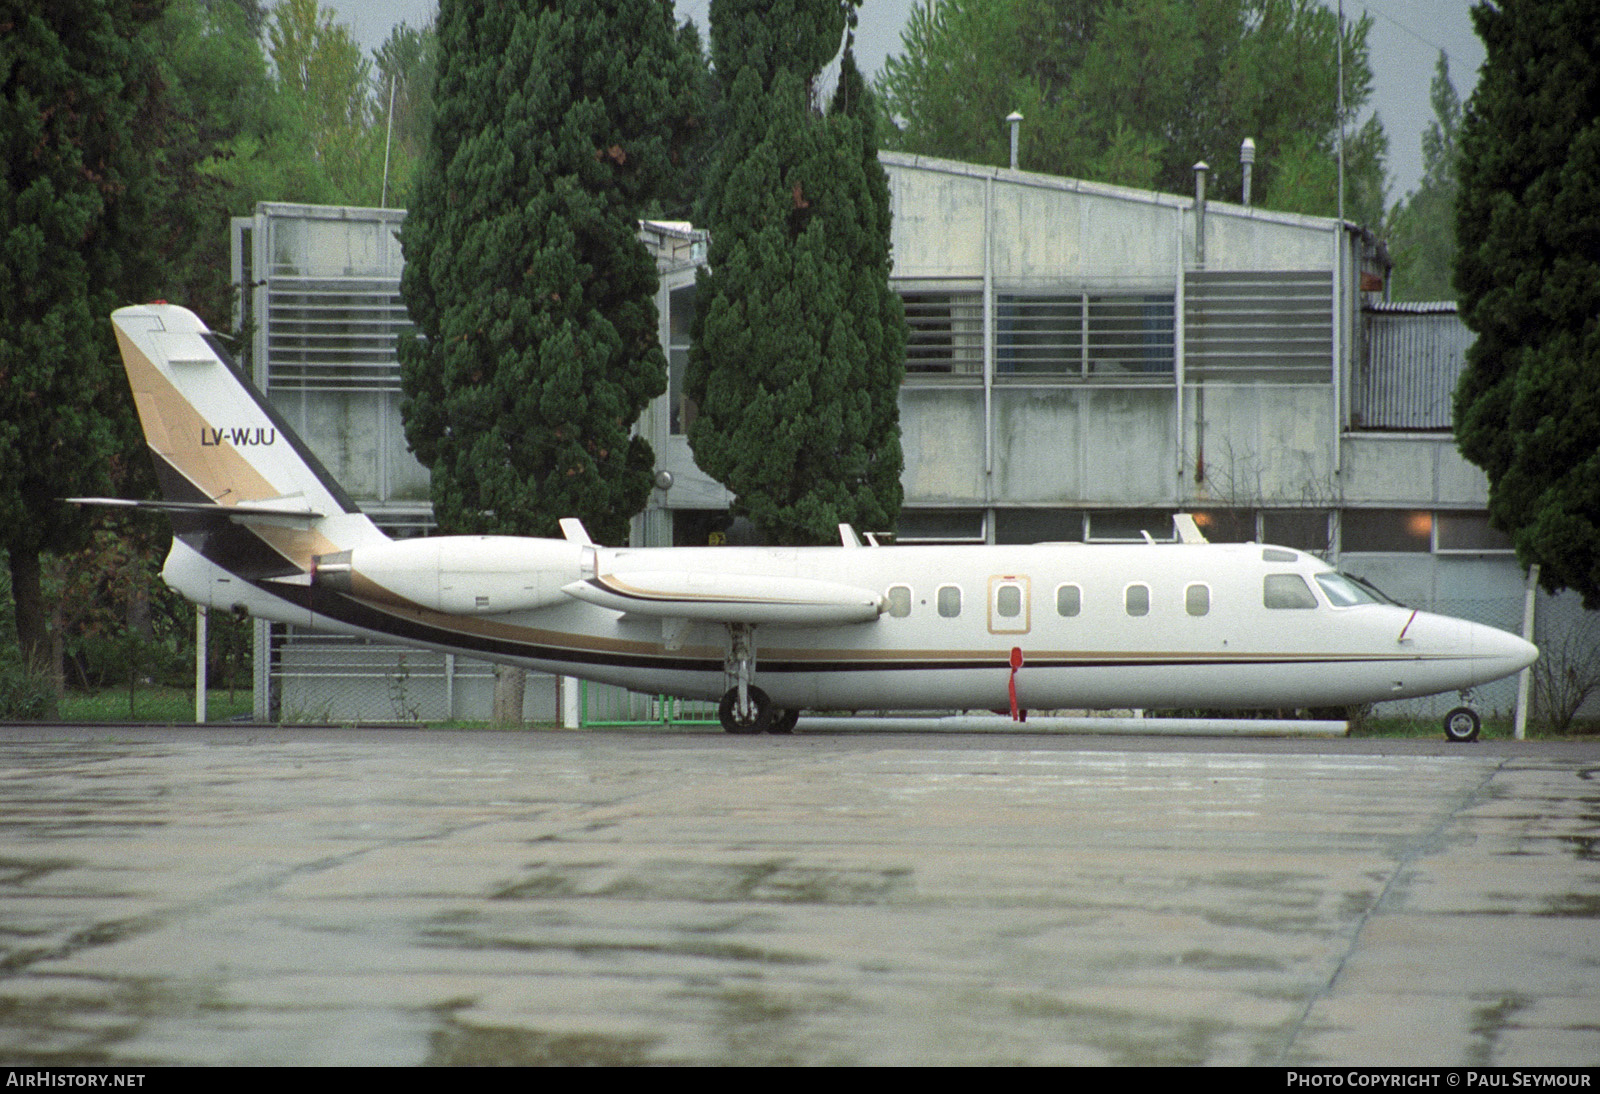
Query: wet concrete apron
point(399, 897)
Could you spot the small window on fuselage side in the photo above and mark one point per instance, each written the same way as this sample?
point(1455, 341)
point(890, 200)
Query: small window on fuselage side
point(1197, 599)
point(1286, 591)
point(899, 601)
point(949, 601)
point(1137, 599)
point(1069, 600)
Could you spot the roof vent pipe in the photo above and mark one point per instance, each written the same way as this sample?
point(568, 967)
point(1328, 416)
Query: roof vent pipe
point(1247, 160)
point(1200, 170)
point(1016, 123)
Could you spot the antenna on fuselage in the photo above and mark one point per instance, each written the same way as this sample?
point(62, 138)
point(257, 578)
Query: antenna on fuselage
point(1188, 530)
point(572, 528)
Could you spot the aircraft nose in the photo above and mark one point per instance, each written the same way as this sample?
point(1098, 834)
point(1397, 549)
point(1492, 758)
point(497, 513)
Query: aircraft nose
point(1497, 653)
point(1486, 653)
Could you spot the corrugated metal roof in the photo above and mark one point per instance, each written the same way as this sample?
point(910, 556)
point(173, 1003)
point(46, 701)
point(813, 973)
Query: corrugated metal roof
point(1412, 307)
point(1415, 356)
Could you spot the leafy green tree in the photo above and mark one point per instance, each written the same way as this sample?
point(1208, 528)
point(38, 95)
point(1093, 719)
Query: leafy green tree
point(532, 294)
point(1528, 272)
point(80, 195)
point(406, 66)
point(798, 342)
point(1422, 236)
point(327, 84)
point(1135, 91)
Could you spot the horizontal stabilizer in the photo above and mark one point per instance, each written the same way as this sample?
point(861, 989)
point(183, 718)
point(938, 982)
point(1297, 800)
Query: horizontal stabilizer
point(730, 598)
point(207, 508)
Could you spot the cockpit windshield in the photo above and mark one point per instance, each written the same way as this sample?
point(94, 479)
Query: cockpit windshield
point(1344, 590)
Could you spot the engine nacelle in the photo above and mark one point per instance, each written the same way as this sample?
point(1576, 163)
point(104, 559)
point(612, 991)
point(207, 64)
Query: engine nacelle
point(476, 575)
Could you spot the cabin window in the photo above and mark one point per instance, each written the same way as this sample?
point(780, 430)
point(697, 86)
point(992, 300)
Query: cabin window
point(1287, 591)
point(1069, 600)
point(1197, 599)
point(1008, 604)
point(1008, 601)
point(899, 601)
point(949, 601)
point(1137, 599)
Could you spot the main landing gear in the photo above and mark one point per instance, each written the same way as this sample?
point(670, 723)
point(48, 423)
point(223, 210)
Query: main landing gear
point(745, 708)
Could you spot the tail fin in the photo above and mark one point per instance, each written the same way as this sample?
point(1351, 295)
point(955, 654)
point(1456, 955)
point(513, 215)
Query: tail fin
point(241, 487)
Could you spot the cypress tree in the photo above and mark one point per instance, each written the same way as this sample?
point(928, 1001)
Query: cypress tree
point(533, 297)
point(798, 342)
point(1528, 272)
point(81, 187)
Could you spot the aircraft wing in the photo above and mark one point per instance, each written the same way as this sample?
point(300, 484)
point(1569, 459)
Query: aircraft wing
point(729, 598)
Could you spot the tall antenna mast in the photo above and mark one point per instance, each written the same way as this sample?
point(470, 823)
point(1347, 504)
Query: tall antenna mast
point(1341, 110)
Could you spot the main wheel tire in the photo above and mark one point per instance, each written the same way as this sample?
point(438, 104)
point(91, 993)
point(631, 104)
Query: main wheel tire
point(758, 724)
point(1462, 724)
point(784, 721)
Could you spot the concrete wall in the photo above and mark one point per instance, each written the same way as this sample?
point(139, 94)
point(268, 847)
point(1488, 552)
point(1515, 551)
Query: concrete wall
point(1420, 468)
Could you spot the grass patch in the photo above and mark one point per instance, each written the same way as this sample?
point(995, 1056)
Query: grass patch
point(151, 703)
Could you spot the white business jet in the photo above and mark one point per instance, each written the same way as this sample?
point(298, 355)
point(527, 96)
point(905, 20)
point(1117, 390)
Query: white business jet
point(259, 526)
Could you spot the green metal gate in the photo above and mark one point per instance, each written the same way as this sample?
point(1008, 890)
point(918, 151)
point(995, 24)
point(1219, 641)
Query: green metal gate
point(601, 705)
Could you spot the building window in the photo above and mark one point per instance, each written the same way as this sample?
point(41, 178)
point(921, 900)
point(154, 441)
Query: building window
point(940, 526)
point(1302, 529)
point(1130, 525)
point(1078, 335)
point(1387, 530)
point(1226, 525)
point(944, 333)
point(1038, 526)
point(1470, 532)
point(683, 408)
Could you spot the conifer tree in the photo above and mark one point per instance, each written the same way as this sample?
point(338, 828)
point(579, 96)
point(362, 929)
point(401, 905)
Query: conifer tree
point(798, 343)
point(81, 186)
point(1528, 273)
point(533, 297)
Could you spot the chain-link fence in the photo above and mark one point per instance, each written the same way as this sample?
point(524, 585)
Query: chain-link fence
point(319, 678)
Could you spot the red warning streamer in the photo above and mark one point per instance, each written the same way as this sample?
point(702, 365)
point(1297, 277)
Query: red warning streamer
point(1016, 663)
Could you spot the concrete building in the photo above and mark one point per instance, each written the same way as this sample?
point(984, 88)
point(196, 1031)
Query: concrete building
point(1084, 360)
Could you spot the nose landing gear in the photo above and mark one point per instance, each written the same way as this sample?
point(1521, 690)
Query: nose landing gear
point(1462, 724)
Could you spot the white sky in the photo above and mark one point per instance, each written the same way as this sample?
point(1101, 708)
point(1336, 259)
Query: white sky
point(1406, 38)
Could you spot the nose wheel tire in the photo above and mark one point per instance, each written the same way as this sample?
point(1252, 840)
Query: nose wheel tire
point(758, 719)
point(1462, 724)
point(784, 721)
